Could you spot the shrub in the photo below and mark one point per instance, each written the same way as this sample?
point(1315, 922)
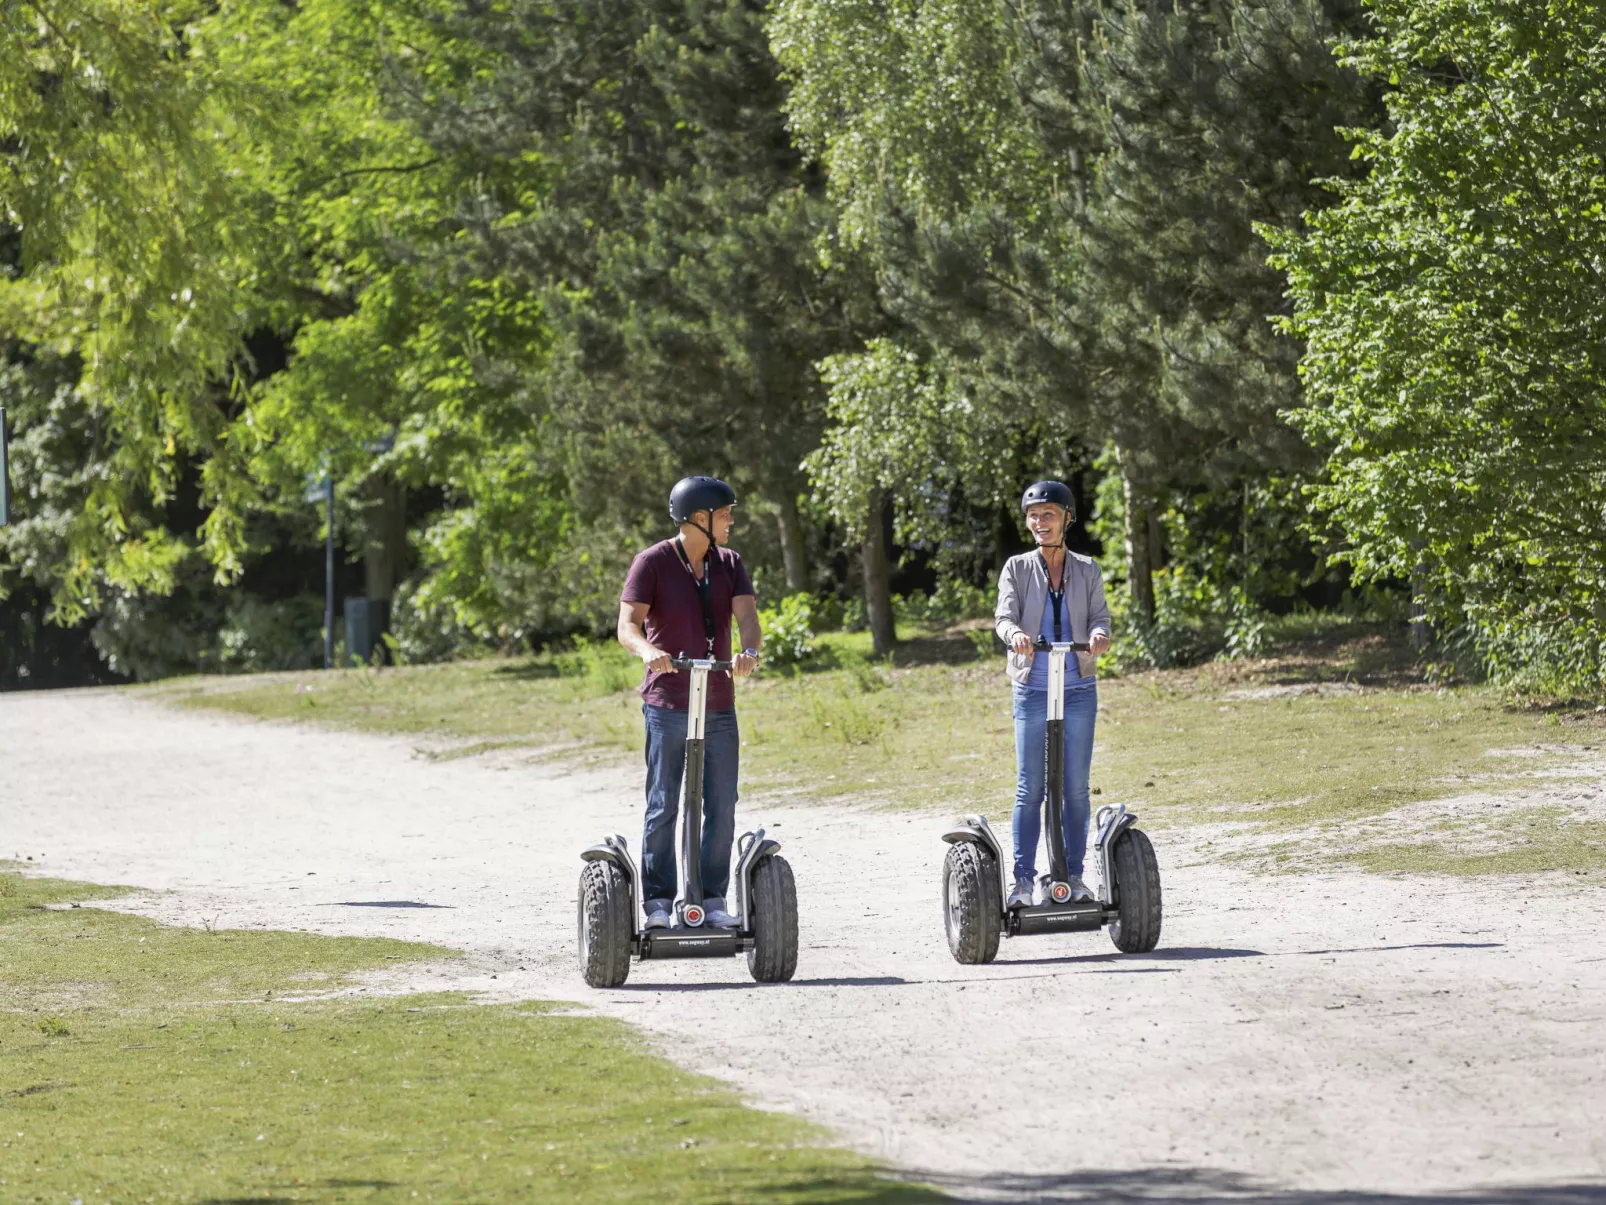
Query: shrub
point(788, 631)
point(602, 667)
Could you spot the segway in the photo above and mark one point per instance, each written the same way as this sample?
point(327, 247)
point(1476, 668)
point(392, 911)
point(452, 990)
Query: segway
point(973, 893)
point(765, 893)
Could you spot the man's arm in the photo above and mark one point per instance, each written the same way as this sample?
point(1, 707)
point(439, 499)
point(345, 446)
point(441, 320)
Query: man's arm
point(633, 635)
point(745, 608)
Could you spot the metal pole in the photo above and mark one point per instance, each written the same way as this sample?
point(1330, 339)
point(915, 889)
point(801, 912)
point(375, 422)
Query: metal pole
point(5, 488)
point(329, 575)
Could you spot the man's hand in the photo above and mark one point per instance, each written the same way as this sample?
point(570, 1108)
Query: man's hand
point(744, 665)
point(657, 660)
point(1098, 643)
point(1021, 643)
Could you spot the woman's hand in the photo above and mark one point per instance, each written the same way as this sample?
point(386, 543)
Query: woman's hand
point(1098, 643)
point(1021, 643)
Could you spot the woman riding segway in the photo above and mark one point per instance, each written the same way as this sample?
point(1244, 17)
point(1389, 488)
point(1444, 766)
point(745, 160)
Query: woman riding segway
point(1058, 596)
point(1052, 616)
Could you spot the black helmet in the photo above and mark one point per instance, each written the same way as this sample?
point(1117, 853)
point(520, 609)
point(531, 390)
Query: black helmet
point(1056, 492)
point(692, 494)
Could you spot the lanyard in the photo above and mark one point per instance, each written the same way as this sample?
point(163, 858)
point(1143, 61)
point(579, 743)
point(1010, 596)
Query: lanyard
point(705, 589)
point(1057, 597)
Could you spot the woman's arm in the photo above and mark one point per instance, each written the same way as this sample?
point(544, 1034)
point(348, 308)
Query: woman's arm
point(1098, 613)
point(1007, 614)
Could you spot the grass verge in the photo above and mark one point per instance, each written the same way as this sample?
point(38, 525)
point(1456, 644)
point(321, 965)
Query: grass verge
point(143, 1063)
point(1335, 729)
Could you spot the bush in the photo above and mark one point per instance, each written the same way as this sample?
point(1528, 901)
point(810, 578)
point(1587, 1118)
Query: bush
point(1248, 632)
point(603, 667)
point(427, 632)
point(788, 631)
point(952, 600)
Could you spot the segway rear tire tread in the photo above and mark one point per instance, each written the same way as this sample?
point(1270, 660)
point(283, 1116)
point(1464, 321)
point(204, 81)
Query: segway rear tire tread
point(773, 956)
point(605, 924)
point(970, 896)
point(1136, 929)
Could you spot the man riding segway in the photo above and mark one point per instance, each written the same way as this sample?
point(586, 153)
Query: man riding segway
point(678, 601)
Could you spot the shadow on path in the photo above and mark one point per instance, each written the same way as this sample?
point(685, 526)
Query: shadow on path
point(1209, 1186)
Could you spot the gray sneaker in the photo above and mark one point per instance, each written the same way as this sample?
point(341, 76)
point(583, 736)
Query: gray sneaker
point(718, 917)
point(1080, 892)
point(657, 914)
point(1021, 897)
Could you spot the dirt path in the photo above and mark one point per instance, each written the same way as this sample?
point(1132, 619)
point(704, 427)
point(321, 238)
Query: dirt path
point(1293, 1039)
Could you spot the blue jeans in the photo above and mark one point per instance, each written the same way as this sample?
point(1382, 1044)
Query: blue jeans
point(666, 768)
point(1031, 770)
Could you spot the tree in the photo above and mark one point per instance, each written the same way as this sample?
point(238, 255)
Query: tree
point(1451, 306)
point(1063, 198)
point(673, 251)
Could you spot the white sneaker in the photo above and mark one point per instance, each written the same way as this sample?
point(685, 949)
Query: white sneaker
point(718, 917)
point(1080, 892)
point(1021, 897)
point(657, 914)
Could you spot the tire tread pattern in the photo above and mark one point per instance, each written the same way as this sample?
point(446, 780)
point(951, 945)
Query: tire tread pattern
point(970, 873)
point(605, 924)
point(1137, 892)
point(773, 958)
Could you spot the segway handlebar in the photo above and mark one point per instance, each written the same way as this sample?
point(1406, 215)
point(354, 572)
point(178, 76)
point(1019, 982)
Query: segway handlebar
point(1043, 646)
point(693, 663)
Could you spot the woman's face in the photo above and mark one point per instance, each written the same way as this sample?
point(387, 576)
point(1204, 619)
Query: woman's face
point(1045, 520)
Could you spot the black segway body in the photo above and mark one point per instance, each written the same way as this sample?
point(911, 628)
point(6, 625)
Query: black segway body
point(974, 895)
point(765, 894)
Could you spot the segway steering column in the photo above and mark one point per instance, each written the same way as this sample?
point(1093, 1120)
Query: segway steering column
point(1059, 887)
point(692, 912)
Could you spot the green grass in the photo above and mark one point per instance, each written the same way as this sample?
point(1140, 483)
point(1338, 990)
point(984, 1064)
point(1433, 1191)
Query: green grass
point(142, 1063)
point(932, 728)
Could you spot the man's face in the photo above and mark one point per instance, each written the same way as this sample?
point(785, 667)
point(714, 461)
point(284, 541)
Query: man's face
point(1046, 520)
point(720, 523)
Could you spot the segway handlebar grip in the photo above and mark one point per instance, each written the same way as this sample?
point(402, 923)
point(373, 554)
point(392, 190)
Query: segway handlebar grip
point(693, 662)
point(1043, 646)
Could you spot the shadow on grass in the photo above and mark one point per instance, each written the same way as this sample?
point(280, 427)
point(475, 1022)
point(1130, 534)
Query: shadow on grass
point(526, 671)
point(1210, 1186)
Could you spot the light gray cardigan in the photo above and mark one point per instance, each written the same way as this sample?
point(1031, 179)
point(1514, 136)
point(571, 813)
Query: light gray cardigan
point(1023, 595)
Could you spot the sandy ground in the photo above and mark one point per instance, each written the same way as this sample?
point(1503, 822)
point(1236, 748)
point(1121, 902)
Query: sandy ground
point(1313, 1039)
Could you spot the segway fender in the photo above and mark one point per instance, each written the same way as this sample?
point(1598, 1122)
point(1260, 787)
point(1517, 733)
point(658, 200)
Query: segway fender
point(752, 848)
point(1111, 822)
point(613, 848)
point(976, 830)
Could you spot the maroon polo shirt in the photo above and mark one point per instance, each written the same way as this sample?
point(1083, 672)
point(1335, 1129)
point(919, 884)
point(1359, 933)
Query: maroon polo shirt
point(659, 578)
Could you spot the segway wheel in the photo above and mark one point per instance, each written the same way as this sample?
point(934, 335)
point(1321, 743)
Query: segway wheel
point(773, 958)
point(970, 902)
point(605, 924)
point(1137, 894)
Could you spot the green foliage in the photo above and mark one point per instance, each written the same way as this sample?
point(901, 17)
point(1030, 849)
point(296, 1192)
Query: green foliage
point(605, 667)
point(1450, 303)
point(951, 600)
point(788, 631)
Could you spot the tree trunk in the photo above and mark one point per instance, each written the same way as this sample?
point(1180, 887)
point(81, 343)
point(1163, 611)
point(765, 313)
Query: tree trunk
point(793, 555)
point(385, 552)
point(878, 579)
point(1141, 546)
point(1421, 629)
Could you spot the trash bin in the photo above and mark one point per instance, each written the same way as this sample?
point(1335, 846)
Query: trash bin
point(367, 620)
